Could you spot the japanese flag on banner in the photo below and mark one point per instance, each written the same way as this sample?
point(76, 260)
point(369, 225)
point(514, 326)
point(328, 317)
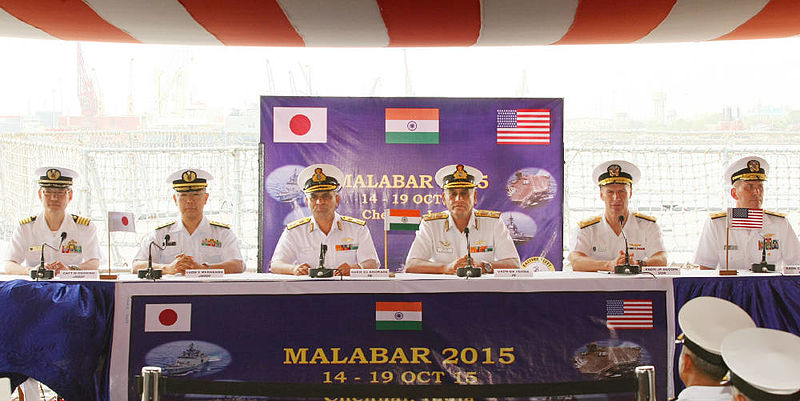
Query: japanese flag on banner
point(168, 317)
point(121, 221)
point(300, 124)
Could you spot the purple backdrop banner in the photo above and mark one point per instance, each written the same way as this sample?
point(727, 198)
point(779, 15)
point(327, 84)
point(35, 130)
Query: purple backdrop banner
point(362, 136)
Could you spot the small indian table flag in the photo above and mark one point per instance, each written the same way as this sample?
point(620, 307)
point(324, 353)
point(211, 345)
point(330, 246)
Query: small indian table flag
point(402, 219)
point(121, 221)
point(398, 315)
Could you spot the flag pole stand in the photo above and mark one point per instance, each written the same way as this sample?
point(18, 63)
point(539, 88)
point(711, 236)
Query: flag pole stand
point(109, 276)
point(727, 271)
point(385, 249)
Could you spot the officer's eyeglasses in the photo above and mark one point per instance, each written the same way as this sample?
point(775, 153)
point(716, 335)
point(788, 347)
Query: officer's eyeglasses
point(54, 193)
point(324, 196)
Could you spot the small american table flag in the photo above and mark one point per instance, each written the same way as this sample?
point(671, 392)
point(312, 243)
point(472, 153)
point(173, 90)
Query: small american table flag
point(742, 217)
point(629, 314)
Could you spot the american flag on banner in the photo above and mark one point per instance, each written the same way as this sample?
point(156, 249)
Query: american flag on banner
point(523, 127)
point(742, 217)
point(629, 314)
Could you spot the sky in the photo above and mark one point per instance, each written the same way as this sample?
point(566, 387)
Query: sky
point(598, 81)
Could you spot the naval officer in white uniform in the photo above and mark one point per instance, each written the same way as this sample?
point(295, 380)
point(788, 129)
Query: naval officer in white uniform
point(705, 322)
point(440, 245)
point(349, 243)
point(747, 176)
point(764, 364)
point(599, 243)
point(194, 242)
point(78, 249)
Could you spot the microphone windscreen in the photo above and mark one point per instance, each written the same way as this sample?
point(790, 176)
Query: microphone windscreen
point(63, 235)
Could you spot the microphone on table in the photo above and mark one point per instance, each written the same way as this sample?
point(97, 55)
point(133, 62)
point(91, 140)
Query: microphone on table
point(44, 274)
point(150, 273)
point(763, 267)
point(626, 268)
point(321, 271)
point(469, 270)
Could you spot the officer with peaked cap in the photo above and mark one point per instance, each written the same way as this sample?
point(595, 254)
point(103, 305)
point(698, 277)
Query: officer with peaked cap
point(440, 245)
point(599, 243)
point(764, 364)
point(349, 243)
point(746, 177)
point(194, 241)
point(79, 249)
point(705, 322)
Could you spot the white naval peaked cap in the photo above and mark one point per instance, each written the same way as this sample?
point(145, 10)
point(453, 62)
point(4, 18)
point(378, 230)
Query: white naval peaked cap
point(706, 321)
point(57, 177)
point(616, 172)
point(320, 177)
point(189, 179)
point(764, 363)
point(748, 168)
point(458, 176)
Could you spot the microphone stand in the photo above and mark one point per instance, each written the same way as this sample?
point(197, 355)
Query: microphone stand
point(41, 273)
point(321, 271)
point(763, 267)
point(626, 268)
point(469, 270)
point(150, 273)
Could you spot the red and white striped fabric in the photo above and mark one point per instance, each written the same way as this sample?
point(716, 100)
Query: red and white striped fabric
point(398, 23)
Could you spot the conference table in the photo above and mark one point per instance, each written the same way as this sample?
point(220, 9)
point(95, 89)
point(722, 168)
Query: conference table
point(87, 340)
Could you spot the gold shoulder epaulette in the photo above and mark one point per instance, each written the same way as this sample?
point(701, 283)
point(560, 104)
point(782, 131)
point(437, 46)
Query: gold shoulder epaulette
point(27, 220)
point(434, 216)
point(84, 221)
point(718, 215)
point(354, 220)
point(776, 214)
point(487, 213)
point(165, 225)
point(298, 223)
point(590, 221)
point(646, 217)
point(218, 224)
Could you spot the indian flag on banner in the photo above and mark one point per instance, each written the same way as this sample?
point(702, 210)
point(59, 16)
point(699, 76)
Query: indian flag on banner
point(412, 126)
point(402, 219)
point(398, 315)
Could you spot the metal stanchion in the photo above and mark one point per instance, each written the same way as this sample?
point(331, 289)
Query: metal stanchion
point(151, 376)
point(645, 383)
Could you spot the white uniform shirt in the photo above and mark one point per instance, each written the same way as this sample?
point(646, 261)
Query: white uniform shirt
point(439, 241)
point(348, 241)
point(598, 240)
point(210, 243)
point(79, 246)
point(783, 246)
point(706, 393)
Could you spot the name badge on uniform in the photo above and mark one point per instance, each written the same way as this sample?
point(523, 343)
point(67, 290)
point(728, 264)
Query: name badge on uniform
point(71, 247)
point(444, 247)
point(212, 242)
point(636, 247)
point(36, 248)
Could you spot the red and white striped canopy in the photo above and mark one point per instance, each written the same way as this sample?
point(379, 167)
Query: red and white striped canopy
point(404, 23)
